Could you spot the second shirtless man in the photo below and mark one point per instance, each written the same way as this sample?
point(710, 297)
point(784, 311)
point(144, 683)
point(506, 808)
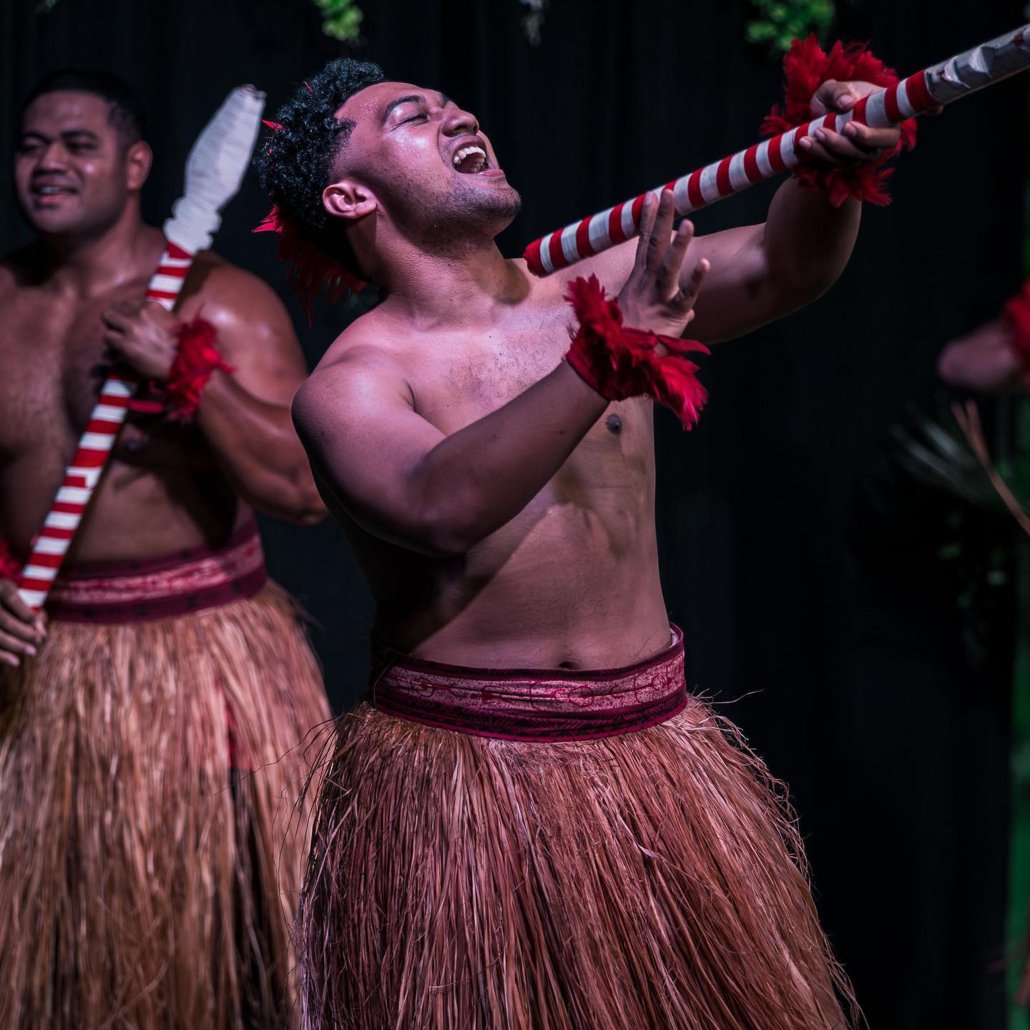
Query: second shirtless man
point(144, 809)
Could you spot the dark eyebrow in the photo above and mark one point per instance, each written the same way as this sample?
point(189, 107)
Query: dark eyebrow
point(414, 98)
point(65, 134)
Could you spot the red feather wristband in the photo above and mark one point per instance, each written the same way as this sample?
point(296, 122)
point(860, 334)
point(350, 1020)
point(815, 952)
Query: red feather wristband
point(1017, 314)
point(805, 68)
point(10, 567)
point(620, 362)
point(196, 360)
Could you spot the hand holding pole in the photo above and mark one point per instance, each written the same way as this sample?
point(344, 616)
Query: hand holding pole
point(936, 86)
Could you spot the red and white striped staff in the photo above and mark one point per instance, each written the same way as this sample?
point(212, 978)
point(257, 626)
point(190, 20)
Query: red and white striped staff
point(935, 86)
point(214, 171)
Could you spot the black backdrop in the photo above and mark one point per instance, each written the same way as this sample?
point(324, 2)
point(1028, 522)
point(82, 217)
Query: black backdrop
point(805, 569)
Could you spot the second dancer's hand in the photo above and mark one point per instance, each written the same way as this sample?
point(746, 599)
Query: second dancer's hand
point(21, 629)
point(143, 336)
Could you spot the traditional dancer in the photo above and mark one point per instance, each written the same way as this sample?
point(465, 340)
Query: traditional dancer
point(152, 720)
point(531, 823)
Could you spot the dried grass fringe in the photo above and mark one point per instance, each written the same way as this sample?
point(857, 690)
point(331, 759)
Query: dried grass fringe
point(646, 881)
point(137, 872)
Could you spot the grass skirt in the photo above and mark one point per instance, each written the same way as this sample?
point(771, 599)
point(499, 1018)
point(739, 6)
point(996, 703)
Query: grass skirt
point(648, 879)
point(150, 844)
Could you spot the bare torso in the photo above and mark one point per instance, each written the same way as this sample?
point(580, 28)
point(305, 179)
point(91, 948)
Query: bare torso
point(573, 579)
point(162, 490)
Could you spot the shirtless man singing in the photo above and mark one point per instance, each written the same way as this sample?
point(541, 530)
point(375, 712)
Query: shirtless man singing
point(530, 823)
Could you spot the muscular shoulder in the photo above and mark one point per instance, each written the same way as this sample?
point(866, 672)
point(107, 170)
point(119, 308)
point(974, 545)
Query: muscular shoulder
point(358, 373)
point(225, 290)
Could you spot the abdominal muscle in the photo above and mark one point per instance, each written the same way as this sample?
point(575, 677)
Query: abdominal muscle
point(561, 585)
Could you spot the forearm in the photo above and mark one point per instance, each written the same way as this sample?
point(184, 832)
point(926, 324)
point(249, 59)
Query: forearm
point(258, 451)
point(806, 244)
point(763, 272)
point(479, 478)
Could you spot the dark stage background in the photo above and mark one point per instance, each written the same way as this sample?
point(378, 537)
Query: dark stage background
point(805, 568)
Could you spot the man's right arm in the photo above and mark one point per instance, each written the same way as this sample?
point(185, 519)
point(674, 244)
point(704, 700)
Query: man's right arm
point(402, 479)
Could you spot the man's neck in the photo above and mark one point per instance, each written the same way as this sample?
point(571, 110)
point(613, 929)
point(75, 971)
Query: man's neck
point(89, 265)
point(460, 288)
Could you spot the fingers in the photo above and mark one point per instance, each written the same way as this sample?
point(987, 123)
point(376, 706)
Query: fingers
point(655, 227)
point(13, 650)
point(21, 629)
point(647, 219)
point(842, 96)
point(850, 148)
point(127, 308)
point(866, 138)
point(115, 319)
point(12, 604)
point(668, 275)
point(660, 234)
point(687, 296)
point(836, 96)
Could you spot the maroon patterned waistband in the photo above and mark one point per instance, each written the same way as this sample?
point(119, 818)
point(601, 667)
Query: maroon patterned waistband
point(532, 704)
point(159, 588)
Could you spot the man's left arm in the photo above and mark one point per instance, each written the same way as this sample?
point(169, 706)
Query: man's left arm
point(244, 414)
point(762, 272)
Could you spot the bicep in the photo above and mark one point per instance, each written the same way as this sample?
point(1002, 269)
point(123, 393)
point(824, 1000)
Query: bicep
point(366, 444)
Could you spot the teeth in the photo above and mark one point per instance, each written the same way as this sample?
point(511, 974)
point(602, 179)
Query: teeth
point(50, 190)
point(466, 151)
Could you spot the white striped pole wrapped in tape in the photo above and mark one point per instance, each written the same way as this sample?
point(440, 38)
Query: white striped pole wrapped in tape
point(214, 171)
point(937, 85)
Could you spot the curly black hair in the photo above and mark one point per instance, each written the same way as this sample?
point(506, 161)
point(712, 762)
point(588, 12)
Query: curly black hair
point(294, 162)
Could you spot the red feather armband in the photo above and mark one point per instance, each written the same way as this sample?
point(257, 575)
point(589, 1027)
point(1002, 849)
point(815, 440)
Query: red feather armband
point(10, 567)
point(805, 68)
point(619, 362)
point(196, 360)
point(1017, 316)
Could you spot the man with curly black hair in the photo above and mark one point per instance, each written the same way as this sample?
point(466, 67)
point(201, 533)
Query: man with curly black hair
point(531, 823)
point(295, 165)
point(150, 719)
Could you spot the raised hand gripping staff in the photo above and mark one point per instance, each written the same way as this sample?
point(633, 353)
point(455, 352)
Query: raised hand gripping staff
point(936, 86)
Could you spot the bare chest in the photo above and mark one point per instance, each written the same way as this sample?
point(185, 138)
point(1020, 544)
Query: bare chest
point(54, 363)
point(466, 382)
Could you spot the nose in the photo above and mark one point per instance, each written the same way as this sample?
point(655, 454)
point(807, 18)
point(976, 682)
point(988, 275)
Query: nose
point(458, 122)
point(50, 156)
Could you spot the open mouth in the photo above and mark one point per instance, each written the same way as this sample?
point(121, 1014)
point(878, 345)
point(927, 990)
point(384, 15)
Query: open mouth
point(51, 191)
point(470, 160)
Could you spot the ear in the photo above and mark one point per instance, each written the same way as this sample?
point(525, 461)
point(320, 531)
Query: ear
point(348, 200)
point(138, 160)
